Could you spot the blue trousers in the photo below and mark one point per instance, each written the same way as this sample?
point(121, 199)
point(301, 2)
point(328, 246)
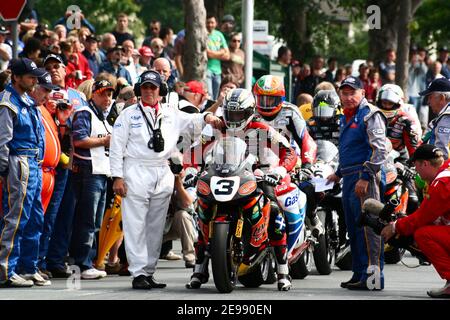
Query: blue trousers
point(213, 82)
point(90, 194)
point(21, 225)
point(62, 233)
point(367, 248)
point(51, 213)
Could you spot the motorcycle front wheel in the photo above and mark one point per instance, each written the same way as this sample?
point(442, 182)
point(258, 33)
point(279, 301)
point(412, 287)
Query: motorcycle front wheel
point(223, 269)
point(322, 248)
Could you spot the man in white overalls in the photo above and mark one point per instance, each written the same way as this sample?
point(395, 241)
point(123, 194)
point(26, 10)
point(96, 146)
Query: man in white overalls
point(144, 136)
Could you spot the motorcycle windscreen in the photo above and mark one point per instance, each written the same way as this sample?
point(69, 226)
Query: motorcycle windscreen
point(228, 151)
point(327, 151)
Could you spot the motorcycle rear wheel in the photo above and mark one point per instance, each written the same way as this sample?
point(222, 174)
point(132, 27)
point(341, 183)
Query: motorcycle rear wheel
point(302, 267)
point(258, 276)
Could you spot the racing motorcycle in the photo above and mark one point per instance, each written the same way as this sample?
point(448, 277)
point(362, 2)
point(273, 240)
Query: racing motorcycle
point(336, 247)
point(229, 189)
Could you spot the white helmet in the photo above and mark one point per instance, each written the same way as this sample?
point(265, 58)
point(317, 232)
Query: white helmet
point(390, 92)
point(238, 108)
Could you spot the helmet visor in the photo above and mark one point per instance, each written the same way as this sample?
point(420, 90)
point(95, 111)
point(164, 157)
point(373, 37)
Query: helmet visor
point(268, 102)
point(324, 111)
point(235, 118)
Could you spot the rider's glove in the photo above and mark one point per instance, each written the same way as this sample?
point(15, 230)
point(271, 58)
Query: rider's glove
point(275, 175)
point(307, 173)
point(190, 178)
point(272, 178)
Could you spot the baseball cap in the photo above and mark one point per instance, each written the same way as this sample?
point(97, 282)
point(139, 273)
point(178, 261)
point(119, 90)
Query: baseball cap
point(146, 52)
point(102, 85)
point(443, 48)
point(426, 152)
point(152, 77)
point(352, 82)
point(92, 38)
point(46, 82)
point(3, 30)
point(194, 87)
point(53, 57)
point(22, 66)
point(437, 85)
point(116, 48)
point(228, 18)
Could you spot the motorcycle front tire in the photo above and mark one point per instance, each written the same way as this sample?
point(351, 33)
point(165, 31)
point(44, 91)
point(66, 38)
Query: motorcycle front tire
point(221, 260)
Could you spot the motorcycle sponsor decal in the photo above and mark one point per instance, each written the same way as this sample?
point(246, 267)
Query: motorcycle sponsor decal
point(255, 212)
point(259, 232)
point(247, 188)
point(239, 225)
point(203, 188)
point(210, 228)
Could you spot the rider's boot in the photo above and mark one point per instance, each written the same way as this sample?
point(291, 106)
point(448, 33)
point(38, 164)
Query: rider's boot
point(200, 275)
point(284, 279)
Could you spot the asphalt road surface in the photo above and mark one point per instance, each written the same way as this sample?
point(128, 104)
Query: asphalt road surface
point(401, 283)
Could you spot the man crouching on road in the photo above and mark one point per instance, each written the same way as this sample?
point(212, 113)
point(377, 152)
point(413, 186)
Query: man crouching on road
point(144, 136)
point(430, 224)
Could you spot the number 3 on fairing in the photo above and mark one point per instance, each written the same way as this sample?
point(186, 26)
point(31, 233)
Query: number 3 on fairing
point(226, 187)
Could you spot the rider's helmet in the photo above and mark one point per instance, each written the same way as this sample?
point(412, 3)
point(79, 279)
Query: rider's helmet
point(393, 94)
point(238, 108)
point(325, 105)
point(269, 93)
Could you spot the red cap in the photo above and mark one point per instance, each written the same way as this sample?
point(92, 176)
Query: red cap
point(195, 87)
point(146, 52)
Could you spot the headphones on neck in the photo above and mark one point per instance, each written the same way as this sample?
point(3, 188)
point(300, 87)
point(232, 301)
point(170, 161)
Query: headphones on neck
point(163, 89)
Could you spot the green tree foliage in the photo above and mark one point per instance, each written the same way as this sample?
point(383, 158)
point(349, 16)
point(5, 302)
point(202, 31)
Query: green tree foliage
point(100, 13)
point(169, 12)
point(431, 23)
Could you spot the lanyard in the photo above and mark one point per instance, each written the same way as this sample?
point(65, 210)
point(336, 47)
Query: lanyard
point(99, 117)
point(149, 125)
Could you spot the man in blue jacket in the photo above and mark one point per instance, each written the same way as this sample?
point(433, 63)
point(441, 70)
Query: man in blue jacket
point(22, 144)
point(362, 152)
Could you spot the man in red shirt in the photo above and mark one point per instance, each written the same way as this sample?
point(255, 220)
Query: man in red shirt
point(430, 224)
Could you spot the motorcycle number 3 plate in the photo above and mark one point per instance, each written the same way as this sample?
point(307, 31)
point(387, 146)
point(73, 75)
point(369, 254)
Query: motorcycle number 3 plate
point(224, 189)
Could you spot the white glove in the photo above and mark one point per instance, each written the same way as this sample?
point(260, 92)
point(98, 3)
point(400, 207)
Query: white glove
point(281, 171)
point(275, 175)
point(190, 177)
